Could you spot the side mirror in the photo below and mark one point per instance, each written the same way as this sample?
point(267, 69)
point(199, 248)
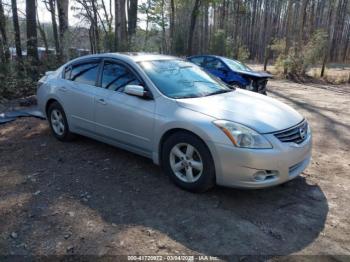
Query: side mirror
point(136, 90)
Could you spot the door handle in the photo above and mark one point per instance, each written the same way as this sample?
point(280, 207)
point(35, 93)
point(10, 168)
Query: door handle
point(62, 89)
point(102, 101)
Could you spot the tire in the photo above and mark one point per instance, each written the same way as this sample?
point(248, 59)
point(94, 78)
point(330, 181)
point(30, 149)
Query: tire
point(235, 85)
point(171, 159)
point(58, 122)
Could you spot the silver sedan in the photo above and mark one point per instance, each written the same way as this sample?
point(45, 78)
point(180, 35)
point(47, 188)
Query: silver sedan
point(200, 131)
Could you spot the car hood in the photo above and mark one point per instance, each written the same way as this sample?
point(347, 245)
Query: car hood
point(259, 112)
point(254, 73)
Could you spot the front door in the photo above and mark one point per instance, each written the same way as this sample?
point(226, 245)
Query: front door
point(217, 68)
point(121, 117)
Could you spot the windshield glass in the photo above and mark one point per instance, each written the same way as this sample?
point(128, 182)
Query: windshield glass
point(236, 65)
point(182, 79)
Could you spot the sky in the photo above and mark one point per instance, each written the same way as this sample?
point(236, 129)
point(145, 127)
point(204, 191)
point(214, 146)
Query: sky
point(45, 17)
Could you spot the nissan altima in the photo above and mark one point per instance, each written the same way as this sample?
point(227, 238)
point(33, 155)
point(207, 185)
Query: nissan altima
point(200, 131)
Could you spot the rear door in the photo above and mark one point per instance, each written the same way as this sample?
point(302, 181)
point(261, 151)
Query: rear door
point(80, 93)
point(121, 117)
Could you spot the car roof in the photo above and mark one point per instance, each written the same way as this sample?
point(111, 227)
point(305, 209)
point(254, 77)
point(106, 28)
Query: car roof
point(216, 56)
point(130, 56)
point(213, 56)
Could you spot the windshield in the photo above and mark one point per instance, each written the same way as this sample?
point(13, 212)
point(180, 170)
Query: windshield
point(182, 79)
point(236, 65)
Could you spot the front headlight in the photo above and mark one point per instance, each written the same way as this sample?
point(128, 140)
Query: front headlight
point(242, 136)
point(308, 129)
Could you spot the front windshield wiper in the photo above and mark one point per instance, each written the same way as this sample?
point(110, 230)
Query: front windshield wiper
point(221, 91)
point(188, 96)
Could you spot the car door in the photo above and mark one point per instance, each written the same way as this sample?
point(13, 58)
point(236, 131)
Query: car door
point(121, 117)
point(79, 93)
point(217, 68)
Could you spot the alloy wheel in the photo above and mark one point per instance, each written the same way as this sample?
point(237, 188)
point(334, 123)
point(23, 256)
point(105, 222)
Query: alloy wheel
point(57, 122)
point(186, 162)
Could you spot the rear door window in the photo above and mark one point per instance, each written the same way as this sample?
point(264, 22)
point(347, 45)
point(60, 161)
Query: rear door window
point(85, 73)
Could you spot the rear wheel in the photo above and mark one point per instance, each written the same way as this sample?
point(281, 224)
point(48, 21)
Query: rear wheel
point(188, 162)
point(58, 122)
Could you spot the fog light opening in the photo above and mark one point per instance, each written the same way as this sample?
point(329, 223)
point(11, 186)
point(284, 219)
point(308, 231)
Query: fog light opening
point(264, 175)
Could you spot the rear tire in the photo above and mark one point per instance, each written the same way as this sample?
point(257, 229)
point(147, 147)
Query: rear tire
point(58, 122)
point(188, 162)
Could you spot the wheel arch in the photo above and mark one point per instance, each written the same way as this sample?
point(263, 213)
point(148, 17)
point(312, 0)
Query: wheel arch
point(48, 103)
point(172, 131)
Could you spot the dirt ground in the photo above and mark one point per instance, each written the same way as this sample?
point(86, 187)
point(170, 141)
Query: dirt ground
point(85, 197)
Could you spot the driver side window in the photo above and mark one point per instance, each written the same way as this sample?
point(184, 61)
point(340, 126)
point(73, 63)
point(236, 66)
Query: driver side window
point(214, 64)
point(116, 76)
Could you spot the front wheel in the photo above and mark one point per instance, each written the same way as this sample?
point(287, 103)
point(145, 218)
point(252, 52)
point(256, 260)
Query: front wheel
point(233, 85)
point(188, 162)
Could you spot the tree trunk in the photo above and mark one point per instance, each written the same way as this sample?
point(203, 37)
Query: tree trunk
point(62, 7)
point(5, 48)
point(92, 39)
point(132, 18)
point(236, 31)
point(194, 15)
point(206, 27)
point(32, 36)
point(164, 48)
point(288, 32)
point(330, 40)
point(172, 25)
point(3, 59)
point(95, 27)
point(17, 30)
point(52, 9)
point(146, 31)
point(346, 46)
point(120, 26)
point(302, 17)
point(43, 36)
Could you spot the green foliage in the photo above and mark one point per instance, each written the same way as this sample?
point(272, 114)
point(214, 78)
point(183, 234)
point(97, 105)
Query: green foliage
point(243, 53)
point(153, 10)
point(219, 43)
point(315, 48)
point(225, 46)
point(108, 41)
point(299, 61)
point(20, 80)
point(278, 45)
point(179, 45)
point(15, 83)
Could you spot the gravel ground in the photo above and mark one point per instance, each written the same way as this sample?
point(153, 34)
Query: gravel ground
point(88, 198)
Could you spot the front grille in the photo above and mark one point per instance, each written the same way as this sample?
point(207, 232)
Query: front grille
point(296, 134)
point(260, 84)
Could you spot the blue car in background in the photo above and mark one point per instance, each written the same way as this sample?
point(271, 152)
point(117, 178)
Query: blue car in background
point(233, 72)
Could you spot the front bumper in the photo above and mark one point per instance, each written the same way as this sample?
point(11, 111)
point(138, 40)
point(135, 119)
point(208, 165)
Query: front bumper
point(238, 167)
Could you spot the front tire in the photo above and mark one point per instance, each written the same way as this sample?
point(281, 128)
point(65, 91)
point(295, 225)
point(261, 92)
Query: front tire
point(188, 162)
point(58, 122)
point(233, 85)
